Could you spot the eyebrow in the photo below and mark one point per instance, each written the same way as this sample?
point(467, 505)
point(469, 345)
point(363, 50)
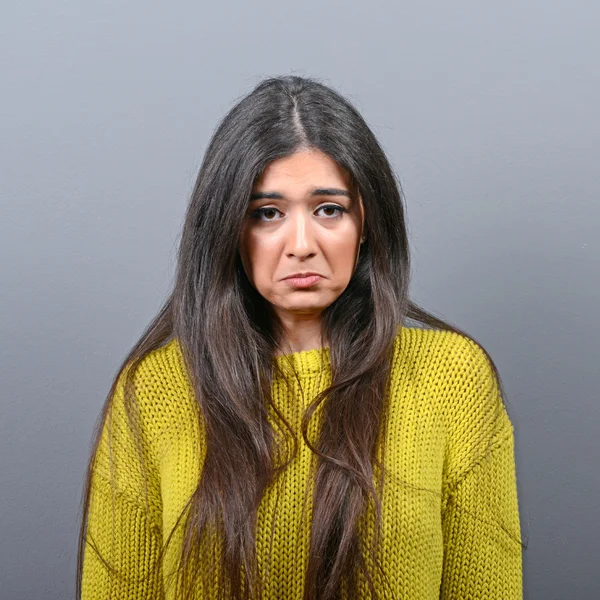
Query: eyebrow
point(314, 192)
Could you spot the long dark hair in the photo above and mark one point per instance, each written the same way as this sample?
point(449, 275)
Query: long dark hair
point(228, 339)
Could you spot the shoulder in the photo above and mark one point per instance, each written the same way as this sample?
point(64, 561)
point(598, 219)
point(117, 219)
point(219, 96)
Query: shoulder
point(162, 366)
point(434, 355)
point(452, 373)
point(163, 391)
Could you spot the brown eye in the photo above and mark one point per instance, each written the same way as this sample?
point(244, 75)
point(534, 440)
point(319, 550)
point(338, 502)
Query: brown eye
point(340, 210)
point(268, 210)
point(259, 212)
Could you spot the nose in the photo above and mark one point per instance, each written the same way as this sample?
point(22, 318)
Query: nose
point(300, 236)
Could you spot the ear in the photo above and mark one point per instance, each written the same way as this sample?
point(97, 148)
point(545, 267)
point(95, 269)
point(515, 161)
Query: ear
point(362, 218)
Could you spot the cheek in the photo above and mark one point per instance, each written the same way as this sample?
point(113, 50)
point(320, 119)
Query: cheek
point(342, 256)
point(261, 260)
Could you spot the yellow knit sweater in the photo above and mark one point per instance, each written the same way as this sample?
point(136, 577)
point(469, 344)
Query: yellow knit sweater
point(463, 543)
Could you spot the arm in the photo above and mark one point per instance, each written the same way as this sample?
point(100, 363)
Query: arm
point(123, 531)
point(481, 529)
point(128, 541)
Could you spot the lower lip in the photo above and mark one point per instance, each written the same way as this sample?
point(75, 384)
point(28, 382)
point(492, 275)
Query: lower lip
point(303, 282)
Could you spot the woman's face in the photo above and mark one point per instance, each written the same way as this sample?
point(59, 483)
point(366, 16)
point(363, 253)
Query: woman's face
point(308, 223)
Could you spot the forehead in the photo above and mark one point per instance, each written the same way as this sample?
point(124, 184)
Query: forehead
point(310, 168)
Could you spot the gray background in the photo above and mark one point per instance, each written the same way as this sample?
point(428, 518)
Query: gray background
point(489, 114)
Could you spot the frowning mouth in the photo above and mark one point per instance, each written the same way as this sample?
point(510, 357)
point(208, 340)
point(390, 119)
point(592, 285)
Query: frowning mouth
point(302, 282)
point(302, 274)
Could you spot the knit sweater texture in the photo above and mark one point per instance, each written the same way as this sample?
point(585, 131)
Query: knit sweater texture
point(452, 533)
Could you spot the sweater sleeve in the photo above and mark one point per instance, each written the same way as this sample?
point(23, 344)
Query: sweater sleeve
point(123, 537)
point(481, 530)
point(129, 544)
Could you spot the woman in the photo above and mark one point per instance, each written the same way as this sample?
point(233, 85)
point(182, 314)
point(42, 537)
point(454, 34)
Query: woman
point(277, 434)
